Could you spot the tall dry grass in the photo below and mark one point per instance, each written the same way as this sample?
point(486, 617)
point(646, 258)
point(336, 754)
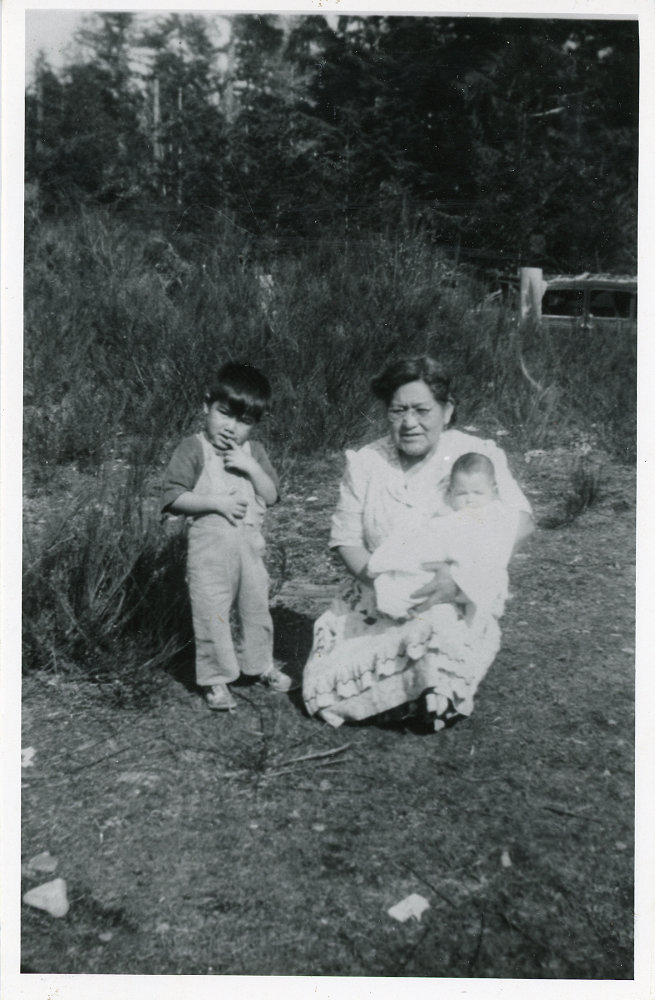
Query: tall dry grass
point(123, 330)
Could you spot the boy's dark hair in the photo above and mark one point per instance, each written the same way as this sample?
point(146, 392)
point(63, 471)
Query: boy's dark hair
point(414, 368)
point(473, 461)
point(243, 388)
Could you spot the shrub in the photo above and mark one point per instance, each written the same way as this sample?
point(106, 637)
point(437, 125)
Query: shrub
point(103, 586)
point(583, 490)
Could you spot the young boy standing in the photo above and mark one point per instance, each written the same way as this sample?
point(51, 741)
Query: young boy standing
point(223, 483)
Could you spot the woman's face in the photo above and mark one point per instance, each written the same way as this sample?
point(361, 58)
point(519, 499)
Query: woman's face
point(416, 420)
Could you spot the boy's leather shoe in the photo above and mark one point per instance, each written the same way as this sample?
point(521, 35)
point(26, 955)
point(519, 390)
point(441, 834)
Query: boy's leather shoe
point(219, 699)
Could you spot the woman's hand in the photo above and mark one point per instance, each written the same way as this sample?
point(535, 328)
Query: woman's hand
point(525, 527)
point(441, 589)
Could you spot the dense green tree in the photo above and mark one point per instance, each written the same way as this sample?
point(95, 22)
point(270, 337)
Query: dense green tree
point(548, 138)
point(43, 104)
point(268, 157)
point(183, 120)
point(507, 135)
point(84, 135)
point(514, 140)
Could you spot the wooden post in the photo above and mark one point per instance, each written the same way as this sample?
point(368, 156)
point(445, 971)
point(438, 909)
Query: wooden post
point(531, 291)
point(179, 147)
point(156, 118)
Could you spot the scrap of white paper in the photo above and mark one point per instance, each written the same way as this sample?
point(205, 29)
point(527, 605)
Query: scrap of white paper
point(411, 906)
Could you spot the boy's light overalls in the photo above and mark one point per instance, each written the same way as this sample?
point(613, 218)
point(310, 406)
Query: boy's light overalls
point(225, 569)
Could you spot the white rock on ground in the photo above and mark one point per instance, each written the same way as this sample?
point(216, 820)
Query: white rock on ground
point(43, 862)
point(51, 897)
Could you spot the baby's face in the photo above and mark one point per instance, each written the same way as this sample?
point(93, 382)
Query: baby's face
point(471, 489)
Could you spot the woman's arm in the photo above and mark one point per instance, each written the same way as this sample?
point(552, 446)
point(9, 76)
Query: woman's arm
point(347, 526)
point(524, 529)
point(355, 558)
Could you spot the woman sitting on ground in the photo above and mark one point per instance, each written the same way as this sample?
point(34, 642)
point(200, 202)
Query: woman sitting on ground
point(363, 662)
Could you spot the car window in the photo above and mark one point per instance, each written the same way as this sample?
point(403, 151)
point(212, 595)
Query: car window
point(562, 302)
point(614, 304)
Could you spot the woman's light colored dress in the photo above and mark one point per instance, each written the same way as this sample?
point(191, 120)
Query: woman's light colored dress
point(363, 662)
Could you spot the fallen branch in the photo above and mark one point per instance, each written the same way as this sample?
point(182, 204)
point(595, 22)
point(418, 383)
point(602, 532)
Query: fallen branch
point(478, 946)
point(315, 756)
point(290, 770)
point(430, 886)
point(539, 945)
point(566, 812)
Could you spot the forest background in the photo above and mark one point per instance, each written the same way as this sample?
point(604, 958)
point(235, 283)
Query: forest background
point(508, 141)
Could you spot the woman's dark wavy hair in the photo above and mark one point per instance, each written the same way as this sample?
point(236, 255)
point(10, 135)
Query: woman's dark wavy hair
point(243, 388)
point(414, 368)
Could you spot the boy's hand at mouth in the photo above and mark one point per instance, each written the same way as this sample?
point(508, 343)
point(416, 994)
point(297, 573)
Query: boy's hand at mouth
point(235, 457)
point(224, 439)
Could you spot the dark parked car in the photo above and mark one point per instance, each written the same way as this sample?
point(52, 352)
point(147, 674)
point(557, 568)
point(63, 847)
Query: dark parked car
point(583, 301)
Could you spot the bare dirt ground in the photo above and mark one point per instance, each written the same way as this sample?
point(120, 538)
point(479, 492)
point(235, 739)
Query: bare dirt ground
point(266, 843)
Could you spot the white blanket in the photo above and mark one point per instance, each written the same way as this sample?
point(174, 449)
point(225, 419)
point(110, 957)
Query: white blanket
point(477, 543)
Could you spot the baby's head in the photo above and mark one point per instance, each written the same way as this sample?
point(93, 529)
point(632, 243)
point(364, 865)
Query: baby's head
point(472, 482)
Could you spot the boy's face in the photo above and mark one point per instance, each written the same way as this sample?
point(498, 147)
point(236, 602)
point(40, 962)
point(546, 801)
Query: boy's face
point(471, 489)
point(223, 428)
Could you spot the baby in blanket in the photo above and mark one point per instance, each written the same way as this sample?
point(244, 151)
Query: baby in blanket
point(475, 534)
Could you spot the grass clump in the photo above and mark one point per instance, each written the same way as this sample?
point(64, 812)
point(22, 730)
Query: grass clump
point(104, 586)
point(582, 491)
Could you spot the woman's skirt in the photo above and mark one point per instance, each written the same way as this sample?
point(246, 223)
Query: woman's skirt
point(364, 663)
